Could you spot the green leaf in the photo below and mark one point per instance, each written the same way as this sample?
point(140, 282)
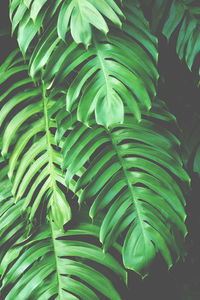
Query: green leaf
point(27, 31)
point(109, 79)
point(12, 222)
point(59, 263)
point(176, 13)
point(181, 17)
point(36, 7)
point(43, 50)
point(128, 174)
point(34, 164)
point(80, 15)
point(31, 17)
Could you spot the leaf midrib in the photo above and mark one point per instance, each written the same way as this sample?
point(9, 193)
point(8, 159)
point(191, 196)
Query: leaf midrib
point(48, 139)
point(103, 69)
point(56, 259)
point(52, 178)
point(130, 186)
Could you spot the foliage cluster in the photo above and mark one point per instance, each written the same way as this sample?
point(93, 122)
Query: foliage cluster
point(93, 174)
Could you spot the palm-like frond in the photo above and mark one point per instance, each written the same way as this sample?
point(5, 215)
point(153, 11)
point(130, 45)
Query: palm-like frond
point(114, 71)
point(99, 59)
point(61, 265)
point(130, 170)
point(30, 16)
point(107, 80)
point(183, 17)
point(120, 67)
point(80, 15)
point(11, 218)
point(34, 157)
point(49, 263)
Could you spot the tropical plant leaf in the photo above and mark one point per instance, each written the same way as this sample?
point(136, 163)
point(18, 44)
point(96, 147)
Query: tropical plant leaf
point(122, 64)
point(80, 15)
point(130, 170)
point(191, 144)
point(112, 72)
point(62, 265)
point(50, 263)
point(29, 17)
point(12, 222)
point(77, 127)
point(34, 157)
point(183, 17)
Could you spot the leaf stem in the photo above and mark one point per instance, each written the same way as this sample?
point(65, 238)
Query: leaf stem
point(48, 138)
point(56, 258)
point(130, 186)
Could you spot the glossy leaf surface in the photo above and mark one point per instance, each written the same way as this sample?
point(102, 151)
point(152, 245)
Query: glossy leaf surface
point(128, 171)
point(34, 161)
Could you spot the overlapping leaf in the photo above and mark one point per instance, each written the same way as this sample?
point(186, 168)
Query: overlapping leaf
point(130, 171)
point(49, 263)
point(80, 15)
point(115, 70)
point(183, 17)
point(29, 17)
point(12, 223)
point(110, 73)
point(62, 266)
point(34, 164)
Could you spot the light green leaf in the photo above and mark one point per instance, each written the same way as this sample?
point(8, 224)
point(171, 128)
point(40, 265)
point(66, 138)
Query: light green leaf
point(80, 15)
point(129, 177)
